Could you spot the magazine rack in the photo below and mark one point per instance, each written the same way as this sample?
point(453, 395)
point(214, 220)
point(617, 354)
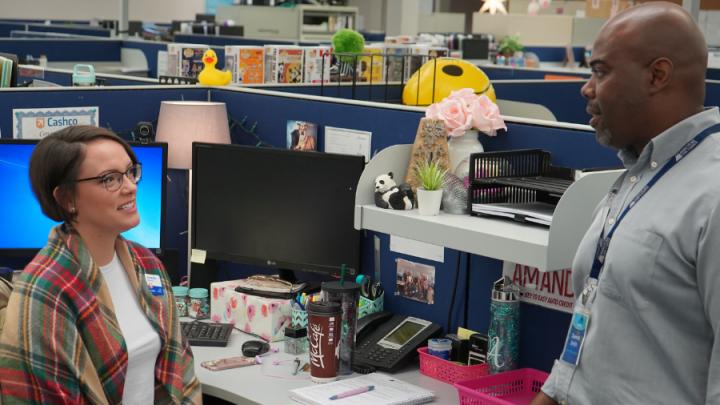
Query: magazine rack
point(547, 249)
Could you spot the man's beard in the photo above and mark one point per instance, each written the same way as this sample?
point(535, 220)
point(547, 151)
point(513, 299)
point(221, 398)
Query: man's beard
point(603, 136)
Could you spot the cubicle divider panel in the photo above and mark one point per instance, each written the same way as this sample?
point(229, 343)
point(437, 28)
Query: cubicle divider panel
point(64, 50)
point(389, 126)
point(713, 74)
point(73, 30)
point(378, 92)
point(64, 78)
point(222, 40)
point(555, 53)
point(562, 97)
point(150, 49)
point(121, 108)
point(496, 72)
point(712, 92)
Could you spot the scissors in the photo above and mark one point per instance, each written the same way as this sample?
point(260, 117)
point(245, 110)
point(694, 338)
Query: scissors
point(368, 289)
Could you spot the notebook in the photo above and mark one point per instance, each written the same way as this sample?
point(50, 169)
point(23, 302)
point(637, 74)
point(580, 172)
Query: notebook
point(386, 390)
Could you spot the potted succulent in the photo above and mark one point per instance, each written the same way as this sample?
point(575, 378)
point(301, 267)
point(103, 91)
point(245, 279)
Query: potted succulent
point(509, 45)
point(429, 194)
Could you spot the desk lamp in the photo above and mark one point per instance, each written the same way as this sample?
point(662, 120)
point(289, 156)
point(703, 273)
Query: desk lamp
point(181, 123)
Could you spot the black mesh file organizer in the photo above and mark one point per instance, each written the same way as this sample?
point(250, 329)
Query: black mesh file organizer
point(520, 184)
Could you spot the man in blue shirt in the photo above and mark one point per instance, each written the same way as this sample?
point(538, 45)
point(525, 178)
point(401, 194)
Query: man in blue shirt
point(647, 272)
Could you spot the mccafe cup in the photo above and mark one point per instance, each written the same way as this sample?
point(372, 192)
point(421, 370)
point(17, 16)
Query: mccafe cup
point(324, 319)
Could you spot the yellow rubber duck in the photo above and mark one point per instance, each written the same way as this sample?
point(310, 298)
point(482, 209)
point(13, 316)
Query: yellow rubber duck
point(210, 76)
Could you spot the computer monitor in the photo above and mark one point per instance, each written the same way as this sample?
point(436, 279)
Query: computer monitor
point(205, 17)
point(25, 228)
point(283, 209)
point(475, 48)
point(232, 30)
point(135, 28)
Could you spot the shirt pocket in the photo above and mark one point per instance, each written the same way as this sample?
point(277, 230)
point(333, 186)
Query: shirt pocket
point(630, 267)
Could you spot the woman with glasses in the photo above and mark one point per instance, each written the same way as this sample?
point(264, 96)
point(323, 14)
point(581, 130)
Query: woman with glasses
point(91, 318)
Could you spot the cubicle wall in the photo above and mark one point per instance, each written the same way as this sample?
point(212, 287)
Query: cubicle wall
point(121, 108)
point(8, 26)
point(64, 50)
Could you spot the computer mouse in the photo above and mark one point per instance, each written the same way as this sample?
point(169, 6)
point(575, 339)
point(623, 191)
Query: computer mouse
point(253, 348)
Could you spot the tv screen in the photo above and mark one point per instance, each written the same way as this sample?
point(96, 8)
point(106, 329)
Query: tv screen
point(289, 210)
point(26, 228)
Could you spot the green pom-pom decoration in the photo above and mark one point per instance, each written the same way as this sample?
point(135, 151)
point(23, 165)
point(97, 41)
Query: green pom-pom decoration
point(348, 41)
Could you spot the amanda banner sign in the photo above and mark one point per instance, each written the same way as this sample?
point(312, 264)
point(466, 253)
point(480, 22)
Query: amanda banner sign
point(550, 289)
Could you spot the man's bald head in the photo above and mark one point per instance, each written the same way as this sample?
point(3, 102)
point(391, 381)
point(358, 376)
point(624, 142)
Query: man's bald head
point(648, 65)
point(661, 29)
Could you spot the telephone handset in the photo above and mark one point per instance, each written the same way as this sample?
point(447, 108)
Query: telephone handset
point(369, 323)
point(386, 341)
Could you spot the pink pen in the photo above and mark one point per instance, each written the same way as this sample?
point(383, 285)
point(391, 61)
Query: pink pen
point(352, 392)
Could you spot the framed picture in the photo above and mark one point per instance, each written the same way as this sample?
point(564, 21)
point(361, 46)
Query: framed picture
point(301, 135)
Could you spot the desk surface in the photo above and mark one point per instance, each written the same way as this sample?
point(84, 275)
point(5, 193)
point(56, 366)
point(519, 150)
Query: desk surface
point(270, 383)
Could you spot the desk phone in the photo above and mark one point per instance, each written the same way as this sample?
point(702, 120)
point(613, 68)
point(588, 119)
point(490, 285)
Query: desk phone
point(387, 342)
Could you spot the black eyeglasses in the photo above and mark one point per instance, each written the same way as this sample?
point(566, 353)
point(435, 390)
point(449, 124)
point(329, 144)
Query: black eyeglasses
point(113, 181)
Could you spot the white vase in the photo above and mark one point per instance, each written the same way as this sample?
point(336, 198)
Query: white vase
point(429, 201)
point(460, 149)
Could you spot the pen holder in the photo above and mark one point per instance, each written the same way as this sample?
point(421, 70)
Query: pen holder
point(367, 306)
point(299, 317)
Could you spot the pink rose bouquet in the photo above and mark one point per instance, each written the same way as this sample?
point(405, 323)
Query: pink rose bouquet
point(463, 110)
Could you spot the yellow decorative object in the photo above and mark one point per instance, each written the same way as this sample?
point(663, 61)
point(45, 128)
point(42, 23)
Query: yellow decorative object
point(210, 76)
point(448, 74)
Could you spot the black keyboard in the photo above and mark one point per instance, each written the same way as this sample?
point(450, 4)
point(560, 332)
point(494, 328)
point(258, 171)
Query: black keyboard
point(206, 334)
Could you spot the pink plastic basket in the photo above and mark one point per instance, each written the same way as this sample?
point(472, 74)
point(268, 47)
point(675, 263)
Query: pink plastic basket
point(448, 371)
point(511, 387)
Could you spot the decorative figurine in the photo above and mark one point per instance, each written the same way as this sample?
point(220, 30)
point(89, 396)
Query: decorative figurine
point(210, 76)
point(389, 195)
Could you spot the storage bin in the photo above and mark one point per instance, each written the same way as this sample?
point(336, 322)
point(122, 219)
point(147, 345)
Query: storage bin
point(448, 371)
point(511, 387)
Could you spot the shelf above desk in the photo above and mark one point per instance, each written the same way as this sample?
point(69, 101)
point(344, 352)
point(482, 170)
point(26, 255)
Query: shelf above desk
point(545, 248)
point(504, 240)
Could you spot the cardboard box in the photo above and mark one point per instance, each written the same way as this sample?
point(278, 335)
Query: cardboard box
point(318, 60)
point(185, 60)
point(283, 64)
point(266, 317)
point(605, 8)
point(246, 63)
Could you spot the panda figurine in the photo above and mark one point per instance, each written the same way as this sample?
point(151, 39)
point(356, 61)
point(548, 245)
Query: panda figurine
point(389, 195)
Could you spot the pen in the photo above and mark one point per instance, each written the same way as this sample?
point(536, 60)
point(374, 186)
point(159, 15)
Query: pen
point(352, 392)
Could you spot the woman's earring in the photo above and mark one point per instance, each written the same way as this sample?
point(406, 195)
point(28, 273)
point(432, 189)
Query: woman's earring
point(72, 210)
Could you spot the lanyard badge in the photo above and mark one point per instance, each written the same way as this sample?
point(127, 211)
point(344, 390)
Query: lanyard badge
point(154, 284)
point(579, 325)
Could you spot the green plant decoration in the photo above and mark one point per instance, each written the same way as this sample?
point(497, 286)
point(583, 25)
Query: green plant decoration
point(348, 41)
point(430, 175)
point(509, 45)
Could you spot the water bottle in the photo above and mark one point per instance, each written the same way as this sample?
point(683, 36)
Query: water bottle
point(504, 334)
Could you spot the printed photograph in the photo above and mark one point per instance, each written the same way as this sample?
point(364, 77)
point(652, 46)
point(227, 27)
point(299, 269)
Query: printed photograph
point(415, 281)
point(301, 135)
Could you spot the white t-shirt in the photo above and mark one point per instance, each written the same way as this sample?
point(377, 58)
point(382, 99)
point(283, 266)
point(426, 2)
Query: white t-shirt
point(142, 341)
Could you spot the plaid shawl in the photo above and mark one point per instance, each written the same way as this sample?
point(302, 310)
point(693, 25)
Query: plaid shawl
point(61, 342)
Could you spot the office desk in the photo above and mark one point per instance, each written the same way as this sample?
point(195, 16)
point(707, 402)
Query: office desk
point(269, 384)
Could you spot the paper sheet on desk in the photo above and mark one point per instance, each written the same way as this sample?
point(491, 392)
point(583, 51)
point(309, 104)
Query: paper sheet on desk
point(348, 141)
point(388, 390)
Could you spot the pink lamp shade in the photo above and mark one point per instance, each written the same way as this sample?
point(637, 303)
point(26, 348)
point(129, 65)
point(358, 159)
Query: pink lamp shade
point(183, 122)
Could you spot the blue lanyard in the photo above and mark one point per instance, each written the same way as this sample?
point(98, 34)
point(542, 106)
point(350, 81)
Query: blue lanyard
point(604, 242)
